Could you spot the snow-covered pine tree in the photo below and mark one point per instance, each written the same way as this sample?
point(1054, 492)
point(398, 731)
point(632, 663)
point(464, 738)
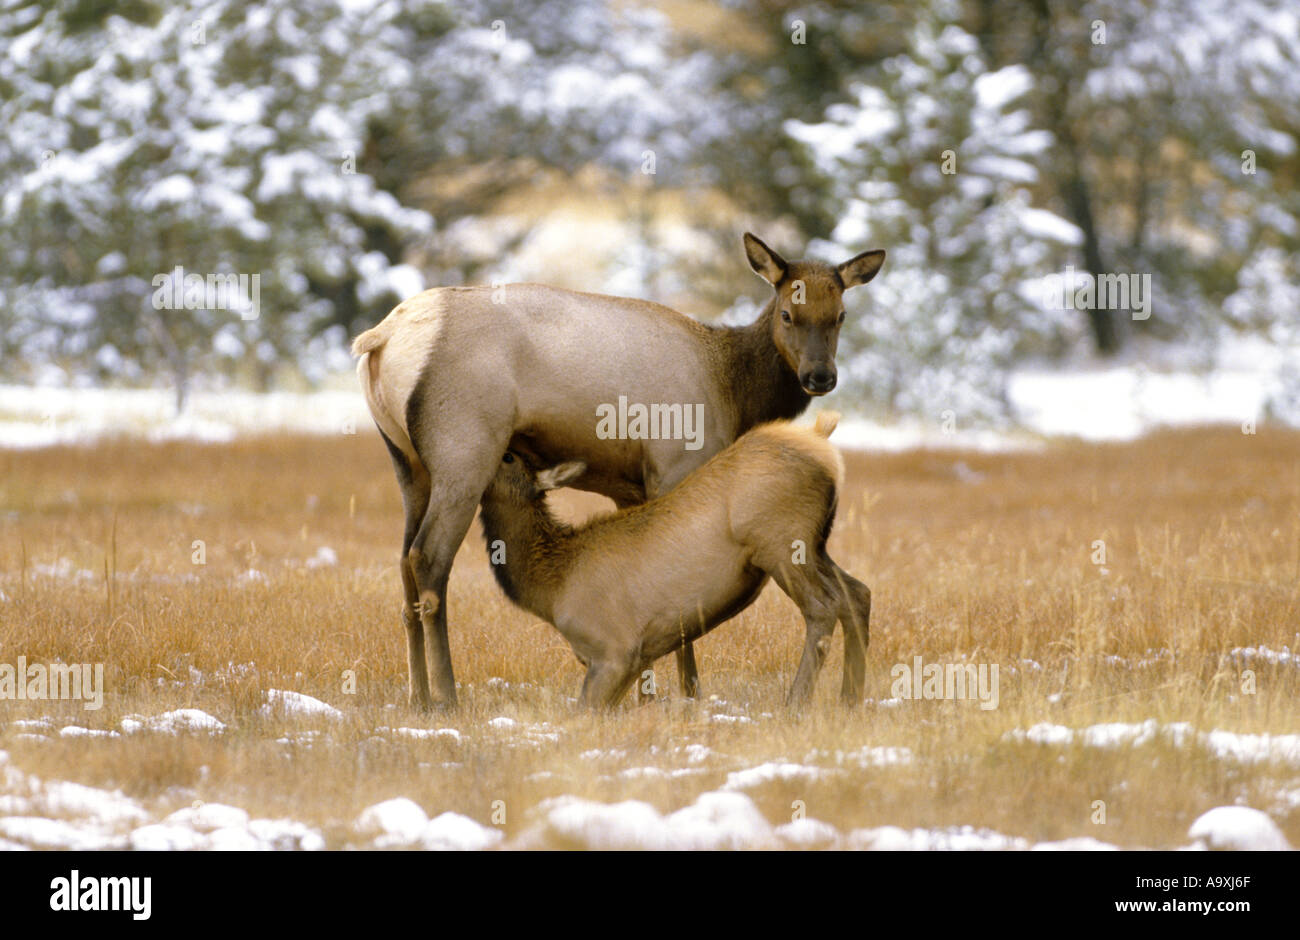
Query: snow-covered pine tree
point(289, 138)
point(934, 161)
point(206, 134)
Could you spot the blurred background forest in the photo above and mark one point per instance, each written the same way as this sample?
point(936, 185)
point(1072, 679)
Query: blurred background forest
point(353, 153)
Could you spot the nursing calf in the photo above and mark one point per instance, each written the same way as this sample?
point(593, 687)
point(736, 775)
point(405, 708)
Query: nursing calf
point(629, 587)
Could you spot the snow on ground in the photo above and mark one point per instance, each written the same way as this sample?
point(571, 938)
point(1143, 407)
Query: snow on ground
point(43, 814)
point(402, 823)
point(296, 705)
point(1123, 403)
point(173, 722)
point(55, 814)
point(1117, 401)
point(774, 770)
point(954, 839)
point(1237, 828)
point(729, 820)
point(1224, 745)
point(422, 733)
point(39, 417)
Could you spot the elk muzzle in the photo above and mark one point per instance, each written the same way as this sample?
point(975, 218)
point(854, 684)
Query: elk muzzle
point(818, 379)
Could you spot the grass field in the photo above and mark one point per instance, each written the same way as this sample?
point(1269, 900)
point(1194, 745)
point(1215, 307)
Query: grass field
point(1184, 639)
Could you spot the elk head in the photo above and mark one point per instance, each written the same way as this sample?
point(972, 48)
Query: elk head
point(809, 309)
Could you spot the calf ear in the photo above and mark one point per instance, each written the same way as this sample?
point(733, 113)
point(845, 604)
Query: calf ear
point(861, 268)
point(767, 263)
point(560, 475)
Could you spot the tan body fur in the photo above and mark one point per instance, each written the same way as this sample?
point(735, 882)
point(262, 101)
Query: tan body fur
point(627, 588)
point(455, 376)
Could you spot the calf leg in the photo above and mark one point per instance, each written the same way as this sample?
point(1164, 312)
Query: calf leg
point(855, 617)
point(819, 625)
point(819, 603)
point(656, 484)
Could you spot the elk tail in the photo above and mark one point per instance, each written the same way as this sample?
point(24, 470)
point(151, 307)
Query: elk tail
point(373, 338)
point(826, 422)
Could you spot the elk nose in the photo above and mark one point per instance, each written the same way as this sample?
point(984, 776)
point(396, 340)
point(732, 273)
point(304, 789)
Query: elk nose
point(820, 380)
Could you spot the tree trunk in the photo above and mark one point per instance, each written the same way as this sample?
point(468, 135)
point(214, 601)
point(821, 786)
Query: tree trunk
point(1054, 69)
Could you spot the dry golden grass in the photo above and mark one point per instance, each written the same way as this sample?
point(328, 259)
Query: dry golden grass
point(975, 556)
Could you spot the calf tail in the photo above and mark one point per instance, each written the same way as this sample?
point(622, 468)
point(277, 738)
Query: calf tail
point(826, 422)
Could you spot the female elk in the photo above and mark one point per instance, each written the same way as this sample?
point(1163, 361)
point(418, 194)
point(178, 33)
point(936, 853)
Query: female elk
point(627, 588)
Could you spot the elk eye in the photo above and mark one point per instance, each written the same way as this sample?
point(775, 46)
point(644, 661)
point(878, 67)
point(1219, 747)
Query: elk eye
point(840, 321)
point(508, 458)
point(785, 317)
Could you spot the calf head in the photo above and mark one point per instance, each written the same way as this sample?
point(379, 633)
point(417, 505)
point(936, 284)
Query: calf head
point(810, 308)
point(516, 482)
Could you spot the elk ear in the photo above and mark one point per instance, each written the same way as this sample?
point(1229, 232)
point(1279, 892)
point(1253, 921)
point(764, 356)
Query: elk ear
point(561, 474)
point(861, 268)
point(766, 263)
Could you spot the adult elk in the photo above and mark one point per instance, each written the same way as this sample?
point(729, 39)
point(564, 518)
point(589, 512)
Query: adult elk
point(455, 376)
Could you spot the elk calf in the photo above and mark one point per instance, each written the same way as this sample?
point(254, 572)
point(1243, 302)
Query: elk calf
point(629, 587)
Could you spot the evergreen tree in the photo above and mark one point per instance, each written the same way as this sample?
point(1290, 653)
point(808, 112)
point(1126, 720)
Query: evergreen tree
point(934, 161)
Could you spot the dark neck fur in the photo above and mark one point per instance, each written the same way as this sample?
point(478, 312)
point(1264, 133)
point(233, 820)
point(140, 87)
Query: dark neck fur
point(764, 386)
point(533, 539)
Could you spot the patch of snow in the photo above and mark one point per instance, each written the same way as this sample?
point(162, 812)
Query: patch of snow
point(399, 820)
point(181, 720)
point(76, 731)
point(954, 839)
point(1076, 844)
point(325, 557)
point(43, 833)
point(208, 817)
point(1253, 748)
point(452, 832)
point(43, 416)
point(296, 705)
point(1124, 402)
point(1238, 828)
point(286, 835)
point(234, 839)
point(770, 771)
point(167, 837)
point(868, 756)
point(1117, 734)
point(109, 807)
point(714, 821)
point(697, 753)
point(1282, 657)
point(732, 719)
point(808, 833)
point(424, 734)
point(1225, 745)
